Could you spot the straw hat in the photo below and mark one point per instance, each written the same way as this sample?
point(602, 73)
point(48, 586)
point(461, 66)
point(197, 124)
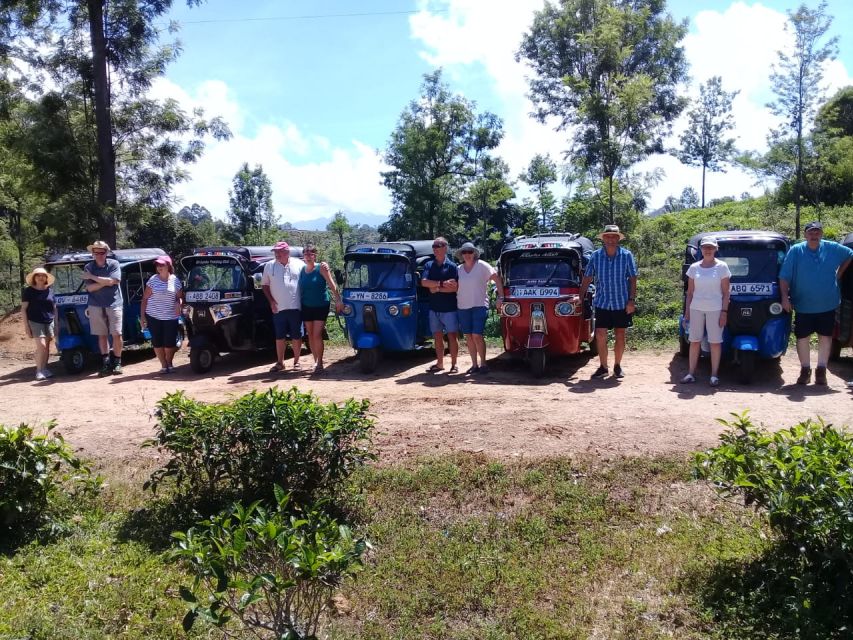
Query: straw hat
point(31, 277)
point(610, 230)
point(98, 244)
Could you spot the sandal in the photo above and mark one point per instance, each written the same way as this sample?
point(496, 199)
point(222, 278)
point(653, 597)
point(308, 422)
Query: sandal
point(688, 379)
point(276, 368)
point(715, 381)
point(297, 366)
point(472, 370)
point(435, 369)
point(318, 368)
point(454, 369)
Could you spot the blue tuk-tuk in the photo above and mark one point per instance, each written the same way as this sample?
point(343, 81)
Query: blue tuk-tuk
point(757, 325)
point(75, 339)
point(385, 308)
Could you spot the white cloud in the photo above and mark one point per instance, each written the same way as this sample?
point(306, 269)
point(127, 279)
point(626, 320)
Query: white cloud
point(310, 179)
point(738, 44)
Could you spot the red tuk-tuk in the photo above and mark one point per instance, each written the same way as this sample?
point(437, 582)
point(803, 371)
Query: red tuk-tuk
point(844, 316)
point(542, 313)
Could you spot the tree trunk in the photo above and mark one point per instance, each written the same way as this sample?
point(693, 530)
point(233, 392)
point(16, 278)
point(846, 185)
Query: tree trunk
point(610, 198)
point(103, 124)
point(703, 186)
point(798, 183)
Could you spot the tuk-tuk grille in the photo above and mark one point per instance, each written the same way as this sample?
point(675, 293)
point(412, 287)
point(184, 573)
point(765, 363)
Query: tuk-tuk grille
point(369, 318)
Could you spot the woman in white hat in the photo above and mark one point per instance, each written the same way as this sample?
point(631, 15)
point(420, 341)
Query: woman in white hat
point(39, 309)
point(472, 301)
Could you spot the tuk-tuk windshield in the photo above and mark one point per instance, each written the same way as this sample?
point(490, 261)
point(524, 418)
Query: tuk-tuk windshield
point(216, 274)
point(752, 262)
point(68, 278)
point(378, 273)
point(541, 271)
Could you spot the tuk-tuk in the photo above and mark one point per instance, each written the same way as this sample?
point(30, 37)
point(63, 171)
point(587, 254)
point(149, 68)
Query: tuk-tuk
point(75, 339)
point(225, 307)
point(757, 325)
point(385, 308)
point(844, 316)
point(542, 313)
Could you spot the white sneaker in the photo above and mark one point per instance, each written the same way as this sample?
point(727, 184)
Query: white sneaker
point(688, 379)
point(40, 376)
point(47, 373)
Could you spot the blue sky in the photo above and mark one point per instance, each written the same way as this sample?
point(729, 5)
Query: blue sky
point(312, 90)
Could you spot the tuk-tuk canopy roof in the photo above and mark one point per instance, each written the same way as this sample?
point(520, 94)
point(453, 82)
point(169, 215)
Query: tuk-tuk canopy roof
point(739, 236)
point(140, 254)
point(408, 248)
point(550, 241)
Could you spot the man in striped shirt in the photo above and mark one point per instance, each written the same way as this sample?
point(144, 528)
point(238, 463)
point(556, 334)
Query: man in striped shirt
point(614, 272)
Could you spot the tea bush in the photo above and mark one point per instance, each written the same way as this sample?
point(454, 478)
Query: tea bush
point(802, 477)
point(39, 477)
point(271, 572)
point(241, 448)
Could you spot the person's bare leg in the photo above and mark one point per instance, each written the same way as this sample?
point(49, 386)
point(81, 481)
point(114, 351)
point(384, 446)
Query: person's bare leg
point(169, 355)
point(118, 345)
point(104, 345)
point(601, 343)
point(453, 339)
point(161, 356)
point(481, 347)
point(716, 355)
point(824, 346)
point(280, 346)
point(309, 332)
point(619, 347)
point(297, 351)
point(438, 338)
point(318, 347)
point(41, 354)
point(47, 342)
point(803, 352)
point(693, 358)
point(472, 348)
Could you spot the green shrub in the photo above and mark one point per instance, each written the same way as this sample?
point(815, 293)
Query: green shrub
point(38, 475)
point(241, 448)
point(802, 477)
point(271, 572)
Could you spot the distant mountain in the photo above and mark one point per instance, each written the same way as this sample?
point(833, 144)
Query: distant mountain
point(319, 224)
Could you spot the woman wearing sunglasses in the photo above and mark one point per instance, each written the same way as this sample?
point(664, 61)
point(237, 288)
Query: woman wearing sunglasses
point(472, 299)
point(315, 282)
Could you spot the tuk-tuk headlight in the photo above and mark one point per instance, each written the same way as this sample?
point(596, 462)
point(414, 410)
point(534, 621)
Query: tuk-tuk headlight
point(564, 309)
point(393, 310)
point(347, 310)
point(510, 309)
point(776, 308)
point(220, 311)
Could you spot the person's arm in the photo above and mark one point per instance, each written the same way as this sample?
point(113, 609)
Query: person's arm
point(434, 286)
point(785, 294)
point(843, 268)
point(179, 298)
point(631, 306)
point(585, 282)
point(333, 286)
point(27, 331)
point(496, 278)
point(725, 283)
point(270, 299)
point(691, 287)
point(144, 305)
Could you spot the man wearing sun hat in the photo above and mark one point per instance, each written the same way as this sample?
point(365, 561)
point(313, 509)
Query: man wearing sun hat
point(808, 284)
point(105, 311)
point(614, 272)
point(280, 282)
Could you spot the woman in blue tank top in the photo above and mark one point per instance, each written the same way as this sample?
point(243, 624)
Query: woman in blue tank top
point(315, 282)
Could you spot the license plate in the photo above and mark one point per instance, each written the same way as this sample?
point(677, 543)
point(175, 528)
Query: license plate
point(751, 288)
point(367, 295)
point(535, 292)
point(202, 296)
point(76, 299)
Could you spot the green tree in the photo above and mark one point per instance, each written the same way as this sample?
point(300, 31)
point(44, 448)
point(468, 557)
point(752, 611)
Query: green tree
point(796, 81)
point(435, 152)
point(704, 142)
point(609, 71)
point(484, 206)
point(540, 174)
point(831, 170)
point(341, 227)
point(250, 202)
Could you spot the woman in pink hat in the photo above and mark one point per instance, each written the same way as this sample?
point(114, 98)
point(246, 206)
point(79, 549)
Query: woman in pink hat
point(160, 310)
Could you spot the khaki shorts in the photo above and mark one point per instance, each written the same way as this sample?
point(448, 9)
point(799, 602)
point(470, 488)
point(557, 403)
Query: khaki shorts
point(104, 321)
point(41, 329)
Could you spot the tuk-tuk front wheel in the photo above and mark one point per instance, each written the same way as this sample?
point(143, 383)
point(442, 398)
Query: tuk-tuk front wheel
point(201, 359)
point(368, 359)
point(538, 360)
point(747, 366)
point(74, 360)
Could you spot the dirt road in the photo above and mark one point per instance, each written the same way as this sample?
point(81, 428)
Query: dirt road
point(507, 414)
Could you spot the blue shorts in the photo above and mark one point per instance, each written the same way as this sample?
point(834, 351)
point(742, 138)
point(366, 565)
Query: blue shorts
point(473, 320)
point(443, 321)
point(288, 324)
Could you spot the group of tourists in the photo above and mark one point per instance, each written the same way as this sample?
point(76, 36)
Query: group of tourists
point(301, 292)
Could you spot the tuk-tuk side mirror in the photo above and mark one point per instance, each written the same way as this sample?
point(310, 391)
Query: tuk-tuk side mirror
point(258, 278)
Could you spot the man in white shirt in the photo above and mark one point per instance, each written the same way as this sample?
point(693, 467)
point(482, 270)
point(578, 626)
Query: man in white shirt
point(280, 283)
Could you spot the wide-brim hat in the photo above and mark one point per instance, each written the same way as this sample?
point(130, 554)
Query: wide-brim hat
point(609, 230)
point(98, 244)
point(468, 246)
point(40, 271)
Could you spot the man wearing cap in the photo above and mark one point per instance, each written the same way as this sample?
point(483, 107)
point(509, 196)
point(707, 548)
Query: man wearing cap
point(808, 284)
point(103, 277)
point(440, 276)
point(614, 272)
point(280, 282)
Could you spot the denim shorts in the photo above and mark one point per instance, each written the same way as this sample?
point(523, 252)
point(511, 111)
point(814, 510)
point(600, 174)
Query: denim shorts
point(288, 324)
point(473, 320)
point(440, 322)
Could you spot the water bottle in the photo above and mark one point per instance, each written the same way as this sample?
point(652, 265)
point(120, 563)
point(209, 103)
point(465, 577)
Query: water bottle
point(146, 333)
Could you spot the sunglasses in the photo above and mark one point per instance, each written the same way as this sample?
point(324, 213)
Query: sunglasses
point(99, 253)
point(439, 246)
point(467, 251)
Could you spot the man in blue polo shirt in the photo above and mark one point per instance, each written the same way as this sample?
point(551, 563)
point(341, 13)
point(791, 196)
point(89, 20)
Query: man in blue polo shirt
point(106, 306)
point(808, 284)
point(440, 276)
point(614, 272)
